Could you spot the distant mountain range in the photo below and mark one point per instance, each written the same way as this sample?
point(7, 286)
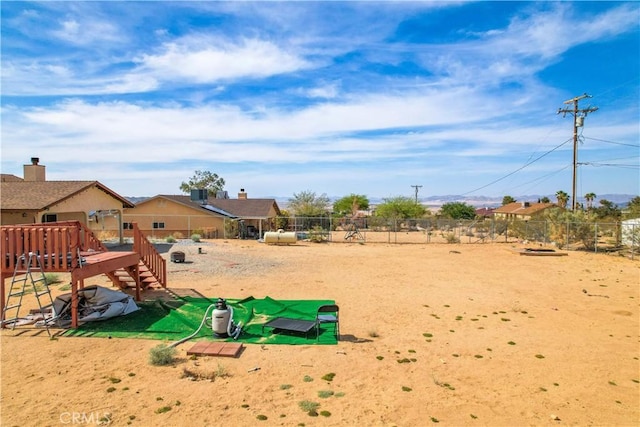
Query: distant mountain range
point(620, 200)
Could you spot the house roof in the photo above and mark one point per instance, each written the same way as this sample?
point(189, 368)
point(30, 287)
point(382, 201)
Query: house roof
point(484, 211)
point(523, 208)
point(39, 195)
point(7, 177)
point(233, 208)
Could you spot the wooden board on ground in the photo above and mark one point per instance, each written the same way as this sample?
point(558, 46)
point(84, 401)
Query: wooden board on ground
point(541, 252)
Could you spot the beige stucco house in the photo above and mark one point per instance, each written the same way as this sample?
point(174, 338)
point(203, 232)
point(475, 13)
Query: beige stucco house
point(164, 215)
point(524, 211)
point(32, 199)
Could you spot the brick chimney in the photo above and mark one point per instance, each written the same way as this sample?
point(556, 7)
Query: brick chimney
point(34, 172)
point(242, 195)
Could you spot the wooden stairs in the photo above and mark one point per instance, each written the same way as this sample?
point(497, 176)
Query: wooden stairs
point(124, 278)
point(151, 269)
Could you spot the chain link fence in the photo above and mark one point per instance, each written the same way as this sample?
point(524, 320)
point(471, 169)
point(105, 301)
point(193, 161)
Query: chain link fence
point(589, 236)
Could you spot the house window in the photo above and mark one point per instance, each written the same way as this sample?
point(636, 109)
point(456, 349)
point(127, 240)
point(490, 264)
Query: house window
point(127, 226)
point(49, 218)
point(158, 225)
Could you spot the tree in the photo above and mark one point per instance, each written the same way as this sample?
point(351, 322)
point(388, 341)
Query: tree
point(590, 197)
point(349, 205)
point(563, 199)
point(458, 210)
point(633, 208)
point(400, 207)
point(203, 180)
point(545, 199)
point(508, 199)
point(607, 210)
point(307, 203)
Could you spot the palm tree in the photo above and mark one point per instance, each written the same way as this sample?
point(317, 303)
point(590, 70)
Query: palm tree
point(589, 197)
point(563, 199)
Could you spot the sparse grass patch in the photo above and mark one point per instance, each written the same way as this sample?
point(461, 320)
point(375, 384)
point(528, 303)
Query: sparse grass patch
point(285, 386)
point(405, 388)
point(197, 376)
point(309, 407)
point(325, 413)
point(162, 355)
point(163, 409)
point(329, 376)
point(307, 379)
point(324, 394)
point(339, 394)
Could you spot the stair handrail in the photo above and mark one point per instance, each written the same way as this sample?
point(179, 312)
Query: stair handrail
point(149, 255)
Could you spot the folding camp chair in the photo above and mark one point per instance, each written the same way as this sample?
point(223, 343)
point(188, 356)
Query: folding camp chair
point(328, 314)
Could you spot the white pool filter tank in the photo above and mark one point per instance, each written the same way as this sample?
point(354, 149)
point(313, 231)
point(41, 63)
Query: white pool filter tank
point(222, 321)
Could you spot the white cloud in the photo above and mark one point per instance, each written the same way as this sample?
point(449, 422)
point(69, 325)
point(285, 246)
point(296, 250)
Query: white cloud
point(212, 60)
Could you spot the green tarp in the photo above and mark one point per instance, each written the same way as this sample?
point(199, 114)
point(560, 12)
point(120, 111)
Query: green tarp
point(177, 319)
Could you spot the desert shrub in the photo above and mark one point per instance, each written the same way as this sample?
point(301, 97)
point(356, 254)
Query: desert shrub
point(451, 238)
point(170, 239)
point(317, 234)
point(162, 354)
point(52, 278)
point(106, 235)
point(196, 237)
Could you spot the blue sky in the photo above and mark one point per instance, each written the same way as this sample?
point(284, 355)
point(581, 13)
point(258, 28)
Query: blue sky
point(331, 97)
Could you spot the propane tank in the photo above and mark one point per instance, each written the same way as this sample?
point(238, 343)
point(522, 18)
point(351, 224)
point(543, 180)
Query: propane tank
point(220, 318)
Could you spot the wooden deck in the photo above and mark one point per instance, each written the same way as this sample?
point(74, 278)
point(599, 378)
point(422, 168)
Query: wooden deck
point(70, 247)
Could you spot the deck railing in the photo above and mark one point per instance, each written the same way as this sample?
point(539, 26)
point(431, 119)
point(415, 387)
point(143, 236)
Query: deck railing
point(150, 256)
point(58, 245)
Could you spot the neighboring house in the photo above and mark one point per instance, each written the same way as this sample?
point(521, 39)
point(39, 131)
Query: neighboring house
point(33, 200)
point(521, 210)
point(164, 215)
point(484, 212)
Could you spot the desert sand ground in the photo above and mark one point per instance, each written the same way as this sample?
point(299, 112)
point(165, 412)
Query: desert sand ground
point(491, 338)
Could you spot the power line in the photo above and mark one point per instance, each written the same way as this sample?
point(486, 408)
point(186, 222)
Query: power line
point(612, 142)
point(517, 170)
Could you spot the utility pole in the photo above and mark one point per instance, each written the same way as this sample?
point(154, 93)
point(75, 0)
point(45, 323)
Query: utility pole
point(417, 187)
point(578, 121)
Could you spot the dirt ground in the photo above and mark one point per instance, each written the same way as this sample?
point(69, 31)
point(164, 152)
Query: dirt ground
point(442, 334)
